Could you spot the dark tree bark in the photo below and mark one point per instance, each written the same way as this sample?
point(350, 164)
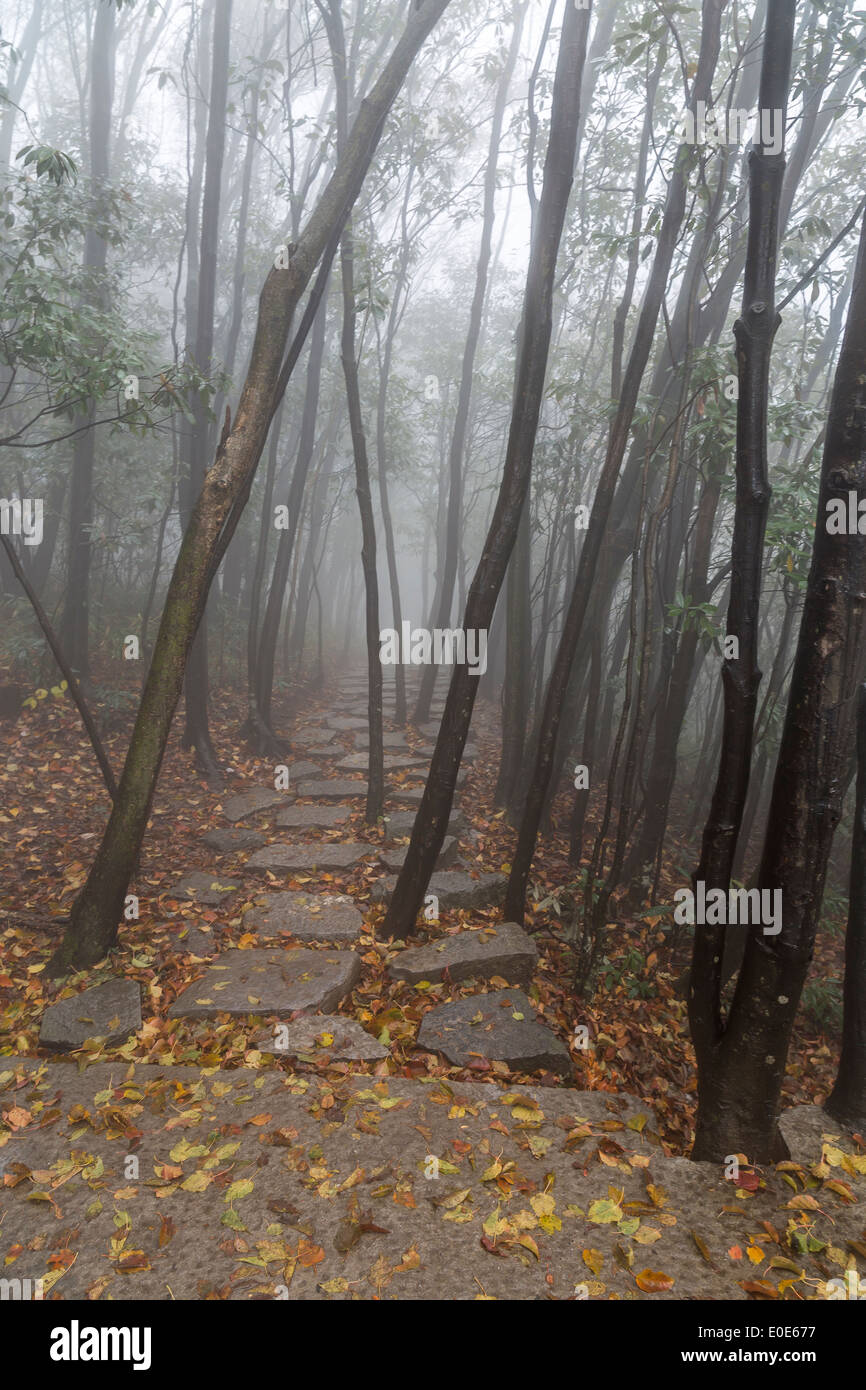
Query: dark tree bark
point(99, 906)
point(445, 587)
point(432, 819)
point(197, 729)
point(674, 212)
point(75, 621)
point(754, 331)
point(847, 1100)
point(741, 1060)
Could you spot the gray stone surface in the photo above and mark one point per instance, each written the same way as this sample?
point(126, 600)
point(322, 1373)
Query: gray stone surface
point(339, 789)
point(111, 1011)
point(503, 950)
point(804, 1128)
point(196, 943)
point(230, 841)
point(398, 824)
point(397, 1126)
point(308, 1035)
point(411, 796)
point(308, 916)
point(252, 802)
point(455, 888)
point(393, 859)
point(319, 854)
point(208, 889)
point(312, 817)
point(344, 722)
point(484, 1025)
point(270, 982)
point(392, 762)
point(362, 740)
point(326, 750)
point(304, 738)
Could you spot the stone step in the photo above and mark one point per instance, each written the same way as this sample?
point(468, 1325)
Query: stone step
point(251, 803)
point(312, 817)
point(499, 1026)
point(110, 1011)
point(231, 841)
point(395, 858)
point(332, 1039)
point(307, 856)
point(345, 722)
point(392, 762)
point(503, 950)
point(398, 824)
point(455, 888)
point(309, 734)
point(274, 981)
point(208, 889)
point(325, 917)
point(338, 789)
point(362, 740)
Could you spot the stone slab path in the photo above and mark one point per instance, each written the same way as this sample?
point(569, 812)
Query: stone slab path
point(280, 982)
point(257, 1184)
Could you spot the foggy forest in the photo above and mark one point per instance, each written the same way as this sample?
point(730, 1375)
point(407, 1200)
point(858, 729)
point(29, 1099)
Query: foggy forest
point(432, 661)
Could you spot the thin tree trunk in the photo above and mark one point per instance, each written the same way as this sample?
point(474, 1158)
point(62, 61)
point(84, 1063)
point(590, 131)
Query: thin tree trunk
point(432, 820)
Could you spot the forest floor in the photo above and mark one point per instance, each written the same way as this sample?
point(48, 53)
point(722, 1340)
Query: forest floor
point(312, 1174)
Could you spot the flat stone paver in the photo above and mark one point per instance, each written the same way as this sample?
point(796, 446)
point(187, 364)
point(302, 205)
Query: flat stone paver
point(208, 889)
point(398, 824)
point(320, 854)
point(252, 802)
point(273, 981)
point(395, 858)
point(306, 736)
point(504, 950)
point(332, 1039)
point(312, 817)
point(230, 841)
point(499, 1027)
point(339, 789)
point(455, 888)
point(344, 722)
point(411, 796)
point(392, 762)
point(362, 740)
point(111, 1011)
point(325, 917)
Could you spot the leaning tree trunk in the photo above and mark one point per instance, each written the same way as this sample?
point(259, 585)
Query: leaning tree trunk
point(741, 1063)
point(431, 821)
point(98, 909)
point(674, 212)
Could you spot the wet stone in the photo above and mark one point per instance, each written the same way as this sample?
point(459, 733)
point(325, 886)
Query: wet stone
point(300, 858)
point(110, 1011)
point(334, 1039)
point(455, 888)
point(388, 740)
point(499, 1026)
point(392, 762)
point(252, 802)
point(230, 841)
point(503, 950)
point(398, 824)
point(207, 889)
point(394, 858)
point(270, 982)
point(312, 817)
point(340, 789)
point(308, 916)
